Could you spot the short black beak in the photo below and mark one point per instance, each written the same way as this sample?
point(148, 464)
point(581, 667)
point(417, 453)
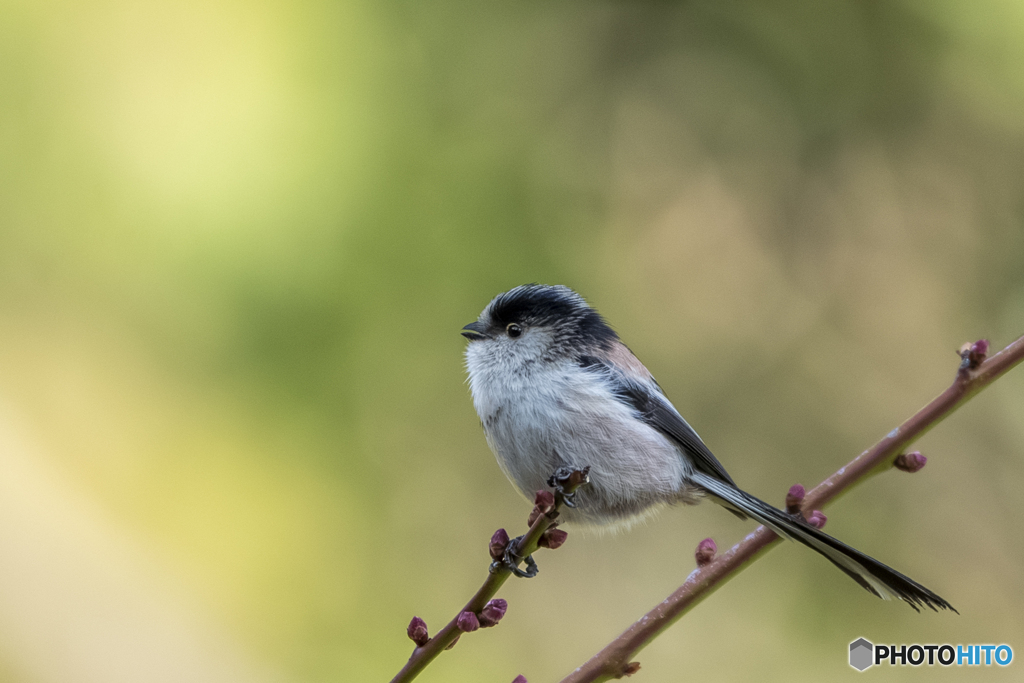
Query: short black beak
point(474, 331)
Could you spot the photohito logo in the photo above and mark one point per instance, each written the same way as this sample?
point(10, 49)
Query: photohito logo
point(864, 654)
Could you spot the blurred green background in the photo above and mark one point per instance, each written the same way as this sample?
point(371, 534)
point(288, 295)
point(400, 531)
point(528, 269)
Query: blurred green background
point(238, 241)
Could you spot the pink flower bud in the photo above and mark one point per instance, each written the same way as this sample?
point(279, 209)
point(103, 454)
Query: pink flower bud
point(519, 679)
point(544, 502)
point(418, 631)
point(499, 541)
point(706, 550)
point(552, 538)
point(910, 462)
point(817, 519)
point(492, 612)
point(973, 354)
point(467, 622)
point(794, 498)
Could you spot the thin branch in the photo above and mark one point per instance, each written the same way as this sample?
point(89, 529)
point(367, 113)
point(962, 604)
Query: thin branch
point(975, 374)
point(476, 611)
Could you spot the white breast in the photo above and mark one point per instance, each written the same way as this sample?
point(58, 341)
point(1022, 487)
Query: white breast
point(542, 415)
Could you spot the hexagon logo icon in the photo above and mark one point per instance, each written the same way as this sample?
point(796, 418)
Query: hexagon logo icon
point(862, 654)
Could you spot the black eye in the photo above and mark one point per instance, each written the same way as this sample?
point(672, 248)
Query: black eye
point(514, 330)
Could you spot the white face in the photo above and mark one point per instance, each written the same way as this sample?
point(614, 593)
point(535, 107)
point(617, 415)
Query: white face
point(521, 334)
point(507, 365)
point(509, 349)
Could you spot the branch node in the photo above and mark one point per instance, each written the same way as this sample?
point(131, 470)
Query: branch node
point(418, 632)
point(910, 462)
point(630, 668)
point(467, 622)
point(543, 504)
point(795, 498)
point(552, 539)
point(498, 544)
point(817, 519)
point(706, 550)
point(492, 612)
point(973, 355)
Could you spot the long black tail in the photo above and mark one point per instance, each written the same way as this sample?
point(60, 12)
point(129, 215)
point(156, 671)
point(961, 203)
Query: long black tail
point(883, 581)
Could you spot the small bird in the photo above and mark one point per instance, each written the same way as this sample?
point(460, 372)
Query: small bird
point(555, 387)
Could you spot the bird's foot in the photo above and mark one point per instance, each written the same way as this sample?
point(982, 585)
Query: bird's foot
point(565, 481)
point(510, 560)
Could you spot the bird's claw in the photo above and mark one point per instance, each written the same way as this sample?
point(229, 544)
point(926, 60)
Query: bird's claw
point(510, 561)
point(565, 482)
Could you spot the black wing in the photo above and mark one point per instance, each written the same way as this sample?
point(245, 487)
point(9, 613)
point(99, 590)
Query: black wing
point(656, 410)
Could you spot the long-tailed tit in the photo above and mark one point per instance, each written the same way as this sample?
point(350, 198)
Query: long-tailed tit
point(555, 387)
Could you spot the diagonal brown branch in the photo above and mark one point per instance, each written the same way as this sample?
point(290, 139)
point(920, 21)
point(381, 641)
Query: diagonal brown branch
point(541, 520)
point(614, 660)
